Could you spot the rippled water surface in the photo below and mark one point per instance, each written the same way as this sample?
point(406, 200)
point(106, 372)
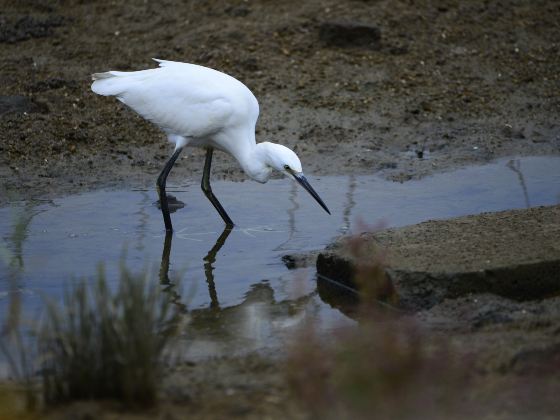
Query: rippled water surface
point(239, 292)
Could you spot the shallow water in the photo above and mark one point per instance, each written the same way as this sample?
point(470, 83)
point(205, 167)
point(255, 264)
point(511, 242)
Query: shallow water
point(240, 294)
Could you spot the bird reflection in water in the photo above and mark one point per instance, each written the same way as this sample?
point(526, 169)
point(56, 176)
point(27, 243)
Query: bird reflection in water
point(209, 259)
point(252, 324)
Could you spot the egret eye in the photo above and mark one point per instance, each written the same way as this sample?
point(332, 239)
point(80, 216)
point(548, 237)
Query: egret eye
point(287, 167)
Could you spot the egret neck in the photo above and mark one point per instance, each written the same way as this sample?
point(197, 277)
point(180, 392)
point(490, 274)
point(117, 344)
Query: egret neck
point(259, 161)
point(256, 163)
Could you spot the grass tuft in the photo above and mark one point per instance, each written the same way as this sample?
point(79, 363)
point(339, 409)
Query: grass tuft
point(384, 368)
point(103, 345)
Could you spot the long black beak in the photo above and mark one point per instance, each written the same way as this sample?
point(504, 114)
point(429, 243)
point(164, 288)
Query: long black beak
point(303, 182)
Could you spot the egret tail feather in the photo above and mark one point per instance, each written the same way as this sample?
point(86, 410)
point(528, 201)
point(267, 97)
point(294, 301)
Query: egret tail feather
point(99, 76)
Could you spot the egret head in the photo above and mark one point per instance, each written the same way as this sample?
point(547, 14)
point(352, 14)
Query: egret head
point(286, 161)
point(283, 159)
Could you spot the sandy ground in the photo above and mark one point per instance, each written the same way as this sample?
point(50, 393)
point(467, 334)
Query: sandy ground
point(435, 85)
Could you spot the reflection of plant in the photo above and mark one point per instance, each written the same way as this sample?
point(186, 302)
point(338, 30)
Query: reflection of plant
point(12, 340)
point(19, 359)
point(12, 257)
point(6, 257)
point(101, 345)
point(22, 220)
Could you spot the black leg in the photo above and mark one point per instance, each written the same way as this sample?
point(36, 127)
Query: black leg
point(164, 266)
point(208, 189)
point(161, 189)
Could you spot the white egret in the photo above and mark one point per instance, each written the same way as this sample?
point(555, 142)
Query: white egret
point(202, 107)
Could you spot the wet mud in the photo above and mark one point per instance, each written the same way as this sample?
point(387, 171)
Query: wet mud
point(404, 89)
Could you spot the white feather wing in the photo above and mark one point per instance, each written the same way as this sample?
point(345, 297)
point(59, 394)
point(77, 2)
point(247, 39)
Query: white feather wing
point(183, 99)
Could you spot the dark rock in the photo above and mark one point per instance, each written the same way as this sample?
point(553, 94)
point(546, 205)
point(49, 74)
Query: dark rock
point(289, 261)
point(172, 203)
point(53, 83)
point(347, 34)
point(18, 104)
point(292, 261)
point(26, 27)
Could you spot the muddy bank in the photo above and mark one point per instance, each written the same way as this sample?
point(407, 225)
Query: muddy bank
point(489, 284)
point(513, 254)
point(365, 86)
